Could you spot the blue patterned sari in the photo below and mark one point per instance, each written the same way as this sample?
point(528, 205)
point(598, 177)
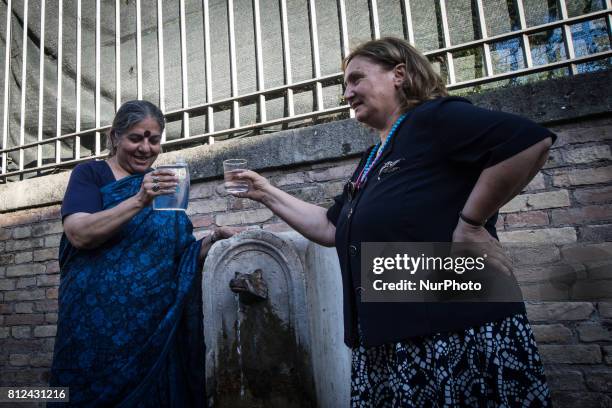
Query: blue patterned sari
point(129, 329)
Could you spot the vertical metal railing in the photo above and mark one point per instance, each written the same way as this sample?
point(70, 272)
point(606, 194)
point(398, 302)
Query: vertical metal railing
point(408, 24)
point(160, 61)
point(24, 85)
point(77, 139)
point(19, 145)
point(446, 38)
point(60, 60)
point(316, 62)
point(7, 69)
point(184, 73)
point(41, 83)
point(524, 36)
point(287, 58)
point(97, 100)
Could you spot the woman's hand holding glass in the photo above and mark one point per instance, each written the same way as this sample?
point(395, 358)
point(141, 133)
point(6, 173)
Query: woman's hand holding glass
point(258, 185)
point(156, 183)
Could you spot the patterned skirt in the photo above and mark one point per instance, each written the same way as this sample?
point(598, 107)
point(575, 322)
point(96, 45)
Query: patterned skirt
point(493, 365)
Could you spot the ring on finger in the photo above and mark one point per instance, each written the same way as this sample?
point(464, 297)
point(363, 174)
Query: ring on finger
point(155, 180)
point(155, 187)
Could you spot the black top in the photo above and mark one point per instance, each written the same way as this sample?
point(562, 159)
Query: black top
point(441, 148)
point(83, 191)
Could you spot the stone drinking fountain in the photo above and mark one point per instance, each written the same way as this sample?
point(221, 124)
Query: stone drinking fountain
point(273, 323)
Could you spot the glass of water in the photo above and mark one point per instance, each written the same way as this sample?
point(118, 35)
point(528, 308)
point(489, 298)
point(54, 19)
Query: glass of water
point(179, 200)
point(230, 168)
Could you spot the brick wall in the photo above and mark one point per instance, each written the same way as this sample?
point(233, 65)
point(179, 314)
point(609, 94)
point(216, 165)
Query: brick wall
point(569, 202)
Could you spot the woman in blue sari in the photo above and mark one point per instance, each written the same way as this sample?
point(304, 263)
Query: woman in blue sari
point(129, 329)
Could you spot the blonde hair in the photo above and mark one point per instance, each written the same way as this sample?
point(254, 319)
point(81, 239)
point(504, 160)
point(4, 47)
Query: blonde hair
point(422, 83)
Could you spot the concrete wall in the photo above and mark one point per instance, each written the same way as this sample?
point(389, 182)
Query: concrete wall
point(569, 201)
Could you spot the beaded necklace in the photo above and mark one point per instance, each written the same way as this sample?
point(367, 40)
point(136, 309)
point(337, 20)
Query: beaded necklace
point(377, 150)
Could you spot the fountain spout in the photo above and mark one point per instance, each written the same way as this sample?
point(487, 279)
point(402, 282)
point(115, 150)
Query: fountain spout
point(250, 287)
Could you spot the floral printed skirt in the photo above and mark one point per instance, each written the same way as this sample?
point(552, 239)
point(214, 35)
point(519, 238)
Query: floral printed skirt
point(493, 365)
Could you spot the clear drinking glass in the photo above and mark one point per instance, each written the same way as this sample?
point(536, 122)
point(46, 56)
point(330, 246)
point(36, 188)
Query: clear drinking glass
point(230, 168)
point(180, 199)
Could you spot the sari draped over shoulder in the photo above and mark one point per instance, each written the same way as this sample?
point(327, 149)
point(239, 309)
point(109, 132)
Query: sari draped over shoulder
point(129, 329)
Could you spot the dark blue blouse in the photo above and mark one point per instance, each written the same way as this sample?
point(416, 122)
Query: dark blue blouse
point(83, 191)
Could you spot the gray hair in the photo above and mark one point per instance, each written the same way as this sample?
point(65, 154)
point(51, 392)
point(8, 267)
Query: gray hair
point(130, 114)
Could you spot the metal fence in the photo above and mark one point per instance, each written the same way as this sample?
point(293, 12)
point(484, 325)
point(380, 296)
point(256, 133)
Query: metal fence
point(54, 114)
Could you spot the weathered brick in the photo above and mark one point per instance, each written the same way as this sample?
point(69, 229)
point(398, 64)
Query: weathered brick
point(333, 189)
point(237, 203)
point(289, 179)
point(557, 235)
point(581, 177)
point(52, 293)
point(570, 354)
point(599, 379)
point(579, 155)
point(545, 291)
point(47, 305)
point(6, 308)
point(584, 134)
point(7, 284)
point(596, 233)
point(4, 332)
point(52, 267)
point(19, 360)
point(244, 217)
point(32, 294)
point(537, 183)
point(599, 270)
point(48, 280)
point(551, 333)
point(582, 215)
point(532, 254)
point(332, 173)
point(46, 228)
point(23, 257)
point(310, 194)
point(526, 219)
point(23, 319)
point(21, 332)
point(591, 290)
point(22, 232)
point(584, 252)
point(559, 311)
point(554, 160)
point(23, 244)
point(45, 331)
point(45, 254)
point(566, 379)
point(25, 282)
point(19, 218)
point(50, 213)
point(564, 399)
point(589, 332)
point(41, 360)
point(201, 190)
point(24, 307)
point(595, 195)
point(6, 259)
point(277, 227)
point(25, 270)
point(605, 309)
point(207, 206)
point(537, 201)
point(607, 350)
point(5, 233)
point(199, 221)
point(51, 318)
point(53, 241)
